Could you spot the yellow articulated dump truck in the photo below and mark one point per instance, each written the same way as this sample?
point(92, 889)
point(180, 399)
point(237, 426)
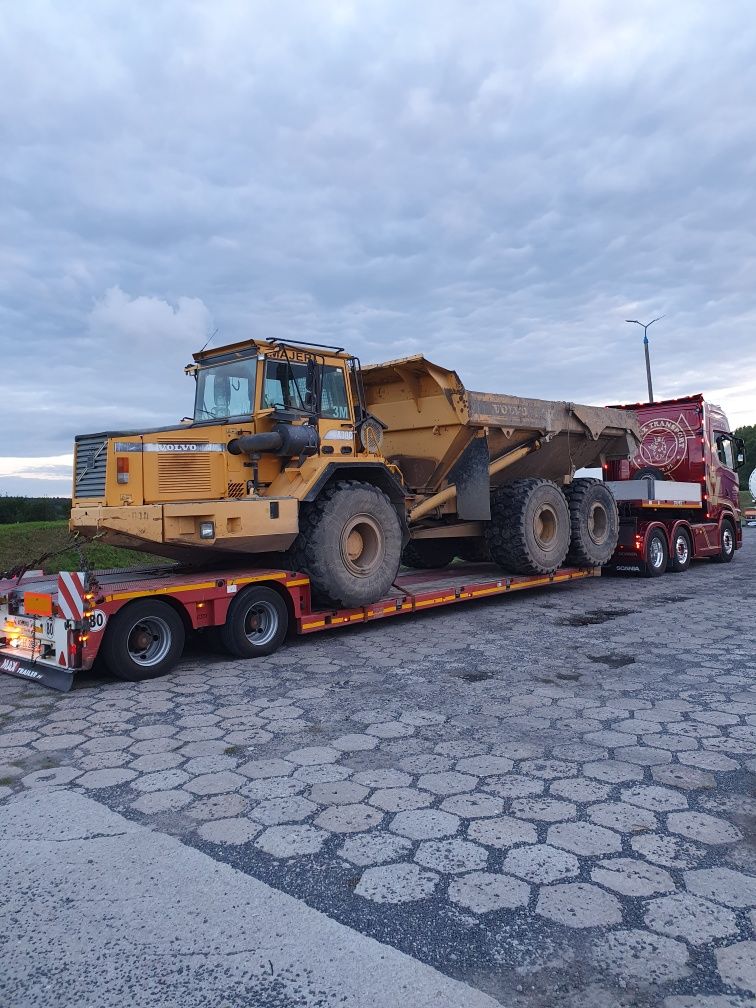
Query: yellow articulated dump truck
point(298, 455)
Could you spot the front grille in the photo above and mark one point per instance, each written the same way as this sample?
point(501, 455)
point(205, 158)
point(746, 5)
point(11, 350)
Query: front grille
point(184, 476)
point(90, 465)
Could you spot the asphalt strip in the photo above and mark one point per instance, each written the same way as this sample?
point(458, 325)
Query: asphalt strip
point(97, 911)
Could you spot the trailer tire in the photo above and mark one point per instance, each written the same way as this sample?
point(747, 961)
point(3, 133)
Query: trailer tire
point(429, 554)
point(350, 544)
point(256, 623)
point(529, 531)
point(656, 555)
point(144, 640)
point(681, 553)
point(594, 523)
point(727, 547)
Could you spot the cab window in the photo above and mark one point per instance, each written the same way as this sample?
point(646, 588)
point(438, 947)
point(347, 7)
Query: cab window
point(333, 400)
point(284, 385)
point(225, 391)
point(725, 450)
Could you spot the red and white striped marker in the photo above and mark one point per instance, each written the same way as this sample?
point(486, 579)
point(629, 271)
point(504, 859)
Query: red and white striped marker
point(71, 592)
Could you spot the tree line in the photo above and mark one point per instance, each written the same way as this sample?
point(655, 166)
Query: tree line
point(749, 436)
point(30, 509)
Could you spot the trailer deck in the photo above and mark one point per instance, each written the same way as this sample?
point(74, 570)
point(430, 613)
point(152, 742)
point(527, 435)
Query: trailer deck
point(53, 626)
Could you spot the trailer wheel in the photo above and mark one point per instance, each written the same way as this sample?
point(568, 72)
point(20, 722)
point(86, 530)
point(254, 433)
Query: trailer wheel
point(727, 546)
point(594, 522)
point(656, 554)
point(350, 544)
point(144, 640)
point(681, 553)
point(529, 531)
point(429, 554)
point(256, 623)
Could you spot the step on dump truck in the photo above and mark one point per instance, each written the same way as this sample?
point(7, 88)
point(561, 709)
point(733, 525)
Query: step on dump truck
point(678, 494)
point(296, 455)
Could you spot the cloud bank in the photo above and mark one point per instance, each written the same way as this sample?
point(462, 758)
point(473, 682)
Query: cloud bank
point(496, 186)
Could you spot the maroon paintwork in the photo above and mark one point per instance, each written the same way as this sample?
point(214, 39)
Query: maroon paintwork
point(686, 440)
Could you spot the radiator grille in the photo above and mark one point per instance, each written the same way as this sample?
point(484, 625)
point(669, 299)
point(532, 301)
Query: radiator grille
point(183, 475)
point(90, 466)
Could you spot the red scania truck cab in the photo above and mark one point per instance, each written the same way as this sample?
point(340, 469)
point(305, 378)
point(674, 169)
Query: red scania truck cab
point(678, 496)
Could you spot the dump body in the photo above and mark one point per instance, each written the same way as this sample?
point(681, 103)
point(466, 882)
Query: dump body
point(433, 423)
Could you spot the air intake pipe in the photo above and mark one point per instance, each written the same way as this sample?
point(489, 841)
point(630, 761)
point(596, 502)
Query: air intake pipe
point(285, 440)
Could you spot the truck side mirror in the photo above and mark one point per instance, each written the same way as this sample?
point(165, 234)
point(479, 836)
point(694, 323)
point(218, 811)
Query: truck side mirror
point(740, 453)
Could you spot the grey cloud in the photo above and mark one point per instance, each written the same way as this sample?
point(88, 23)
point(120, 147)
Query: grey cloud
point(495, 186)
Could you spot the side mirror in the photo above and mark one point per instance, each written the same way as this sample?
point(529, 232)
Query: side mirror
point(740, 453)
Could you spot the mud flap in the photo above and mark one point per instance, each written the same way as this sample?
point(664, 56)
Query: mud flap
point(46, 675)
point(470, 473)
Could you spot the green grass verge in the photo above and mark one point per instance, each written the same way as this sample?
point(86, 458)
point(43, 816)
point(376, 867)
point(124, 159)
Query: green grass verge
point(26, 541)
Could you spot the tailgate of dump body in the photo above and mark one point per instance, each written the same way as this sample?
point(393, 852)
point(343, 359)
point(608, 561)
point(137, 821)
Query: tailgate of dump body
point(431, 420)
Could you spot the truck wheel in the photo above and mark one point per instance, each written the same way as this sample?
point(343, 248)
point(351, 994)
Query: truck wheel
point(594, 523)
point(429, 554)
point(656, 555)
point(474, 551)
point(350, 544)
point(529, 531)
point(727, 545)
point(649, 473)
point(143, 640)
point(681, 553)
point(256, 623)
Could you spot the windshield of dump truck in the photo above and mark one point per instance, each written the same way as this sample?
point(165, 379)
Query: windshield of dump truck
point(227, 390)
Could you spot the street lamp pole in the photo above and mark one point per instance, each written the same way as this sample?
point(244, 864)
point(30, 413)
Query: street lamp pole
point(646, 326)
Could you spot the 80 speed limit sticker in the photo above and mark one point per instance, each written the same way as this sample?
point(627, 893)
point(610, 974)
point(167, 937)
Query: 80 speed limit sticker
point(97, 621)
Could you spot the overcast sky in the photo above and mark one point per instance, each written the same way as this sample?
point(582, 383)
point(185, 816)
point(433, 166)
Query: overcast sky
point(497, 186)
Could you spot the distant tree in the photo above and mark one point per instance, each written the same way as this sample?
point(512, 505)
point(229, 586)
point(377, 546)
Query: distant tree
point(27, 509)
point(749, 436)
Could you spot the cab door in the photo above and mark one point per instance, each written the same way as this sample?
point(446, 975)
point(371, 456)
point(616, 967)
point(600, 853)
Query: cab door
point(336, 413)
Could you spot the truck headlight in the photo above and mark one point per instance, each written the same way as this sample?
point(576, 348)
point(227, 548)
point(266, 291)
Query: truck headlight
point(207, 530)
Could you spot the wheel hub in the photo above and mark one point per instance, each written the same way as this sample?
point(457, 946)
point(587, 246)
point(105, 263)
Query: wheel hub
point(362, 545)
point(545, 526)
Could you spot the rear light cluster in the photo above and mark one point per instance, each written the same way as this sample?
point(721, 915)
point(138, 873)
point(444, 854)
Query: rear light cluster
point(122, 469)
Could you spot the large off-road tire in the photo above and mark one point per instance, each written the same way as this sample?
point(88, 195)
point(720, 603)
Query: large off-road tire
point(529, 531)
point(143, 640)
point(594, 523)
point(429, 554)
point(473, 550)
point(350, 544)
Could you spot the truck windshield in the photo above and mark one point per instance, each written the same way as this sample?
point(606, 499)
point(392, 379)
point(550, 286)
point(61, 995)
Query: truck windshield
point(225, 391)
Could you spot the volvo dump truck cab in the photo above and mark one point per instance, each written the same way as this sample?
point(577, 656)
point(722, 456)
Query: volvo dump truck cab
point(294, 453)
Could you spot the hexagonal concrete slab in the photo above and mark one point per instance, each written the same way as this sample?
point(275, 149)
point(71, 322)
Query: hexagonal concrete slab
point(541, 863)
point(451, 856)
point(578, 905)
point(396, 883)
point(632, 877)
point(643, 957)
point(377, 847)
point(584, 838)
point(425, 824)
point(349, 818)
point(723, 885)
point(503, 831)
point(484, 892)
point(690, 917)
